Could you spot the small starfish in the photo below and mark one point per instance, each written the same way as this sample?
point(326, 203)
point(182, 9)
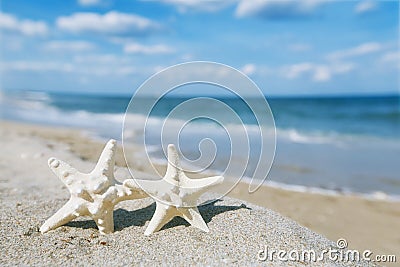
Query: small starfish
point(94, 194)
point(175, 195)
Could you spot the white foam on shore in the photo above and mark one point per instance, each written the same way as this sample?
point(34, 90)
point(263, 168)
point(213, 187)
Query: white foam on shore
point(376, 195)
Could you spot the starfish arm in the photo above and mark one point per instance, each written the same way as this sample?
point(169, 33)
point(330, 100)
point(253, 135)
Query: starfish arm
point(67, 213)
point(162, 216)
point(110, 196)
point(106, 162)
point(196, 187)
point(134, 185)
point(204, 183)
point(131, 184)
point(63, 170)
point(155, 188)
point(173, 168)
point(193, 216)
point(105, 223)
point(128, 191)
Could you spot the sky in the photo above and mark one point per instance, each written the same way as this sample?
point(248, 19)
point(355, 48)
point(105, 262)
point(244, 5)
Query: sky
point(309, 47)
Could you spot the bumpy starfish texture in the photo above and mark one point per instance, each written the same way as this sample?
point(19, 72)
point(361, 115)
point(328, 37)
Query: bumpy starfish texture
point(94, 194)
point(175, 195)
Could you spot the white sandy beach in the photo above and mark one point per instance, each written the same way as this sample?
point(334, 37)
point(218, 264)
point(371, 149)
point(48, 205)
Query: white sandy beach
point(30, 193)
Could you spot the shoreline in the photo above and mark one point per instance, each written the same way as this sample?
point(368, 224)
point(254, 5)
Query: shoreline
point(89, 139)
point(375, 195)
point(366, 223)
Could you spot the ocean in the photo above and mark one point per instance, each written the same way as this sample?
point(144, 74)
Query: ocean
point(347, 144)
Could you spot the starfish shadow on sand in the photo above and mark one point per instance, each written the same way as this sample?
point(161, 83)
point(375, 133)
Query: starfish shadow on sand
point(124, 218)
point(207, 211)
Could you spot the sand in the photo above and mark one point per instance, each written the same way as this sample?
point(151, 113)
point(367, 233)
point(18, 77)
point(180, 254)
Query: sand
point(30, 193)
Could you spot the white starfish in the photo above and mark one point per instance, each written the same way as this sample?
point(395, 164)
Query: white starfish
point(94, 194)
point(175, 195)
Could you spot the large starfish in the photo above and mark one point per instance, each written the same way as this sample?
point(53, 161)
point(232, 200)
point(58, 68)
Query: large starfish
point(93, 194)
point(175, 195)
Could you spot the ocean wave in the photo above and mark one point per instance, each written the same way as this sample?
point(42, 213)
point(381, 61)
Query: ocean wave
point(297, 136)
point(37, 107)
point(373, 195)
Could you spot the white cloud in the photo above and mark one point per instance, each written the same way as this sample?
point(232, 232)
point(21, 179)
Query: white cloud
point(159, 68)
point(100, 59)
point(36, 66)
point(273, 9)
point(299, 47)
point(248, 69)
point(336, 63)
point(70, 46)
point(89, 2)
point(322, 73)
point(365, 7)
point(111, 23)
point(363, 49)
point(318, 72)
point(295, 70)
point(10, 23)
point(134, 48)
point(393, 56)
point(188, 57)
point(64, 68)
point(184, 6)
point(391, 59)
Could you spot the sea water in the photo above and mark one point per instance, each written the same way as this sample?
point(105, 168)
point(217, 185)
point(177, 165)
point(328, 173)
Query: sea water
point(340, 143)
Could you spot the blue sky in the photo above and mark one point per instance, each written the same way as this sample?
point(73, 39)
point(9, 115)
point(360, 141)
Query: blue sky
point(286, 47)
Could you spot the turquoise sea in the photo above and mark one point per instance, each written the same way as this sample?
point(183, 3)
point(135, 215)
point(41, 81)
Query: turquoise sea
point(340, 143)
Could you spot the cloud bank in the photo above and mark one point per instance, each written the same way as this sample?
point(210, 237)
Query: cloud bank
point(25, 27)
point(111, 23)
